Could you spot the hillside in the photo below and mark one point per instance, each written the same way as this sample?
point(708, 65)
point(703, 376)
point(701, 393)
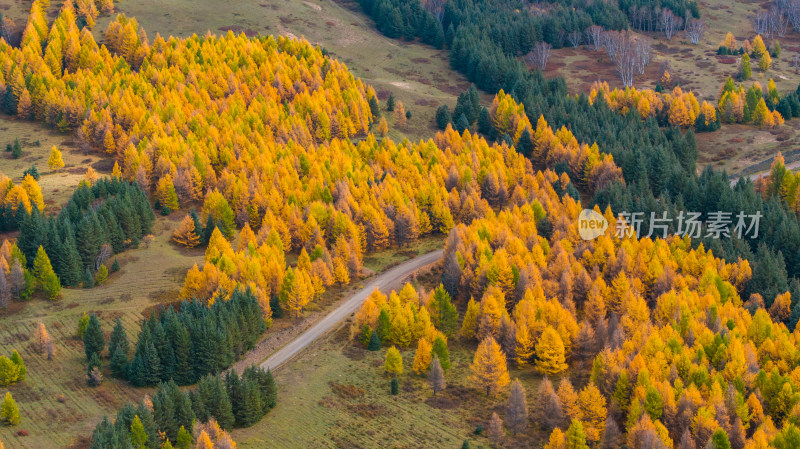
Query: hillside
point(188, 189)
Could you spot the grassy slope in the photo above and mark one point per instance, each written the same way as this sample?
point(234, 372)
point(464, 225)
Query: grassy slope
point(57, 186)
point(148, 276)
point(736, 148)
point(336, 395)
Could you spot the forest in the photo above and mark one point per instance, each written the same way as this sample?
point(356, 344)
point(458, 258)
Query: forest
point(276, 157)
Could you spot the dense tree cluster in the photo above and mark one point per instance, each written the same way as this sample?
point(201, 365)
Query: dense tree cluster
point(660, 326)
point(196, 340)
point(781, 183)
point(17, 200)
point(12, 370)
point(222, 401)
point(764, 109)
point(675, 108)
point(100, 220)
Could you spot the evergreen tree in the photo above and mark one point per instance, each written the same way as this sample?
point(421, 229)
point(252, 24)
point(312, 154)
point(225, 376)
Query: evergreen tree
point(525, 143)
point(394, 386)
point(462, 123)
point(443, 116)
point(441, 352)
point(374, 109)
point(374, 342)
point(390, 103)
point(485, 125)
point(384, 328)
point(88, 279)
point(444, 313)
point(119, 362)
point(93, 339)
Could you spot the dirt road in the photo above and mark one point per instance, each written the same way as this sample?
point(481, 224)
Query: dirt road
point(384, 281)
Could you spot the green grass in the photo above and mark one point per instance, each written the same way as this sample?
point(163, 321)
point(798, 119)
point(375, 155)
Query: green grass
point(381, 261)
point(310, 412)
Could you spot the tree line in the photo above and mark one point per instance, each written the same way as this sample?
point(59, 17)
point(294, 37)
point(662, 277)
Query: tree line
point(101, 219)
point(197, 339)
point(228, 401)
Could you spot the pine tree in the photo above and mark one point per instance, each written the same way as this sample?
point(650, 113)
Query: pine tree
point(489, 370)
point(441, 352)
point(384, 328)
point(374, 342)
point(118, 347)
point(394, 386)
point(443, 312)
point(374, 108)
point(93, 339)
point(525, 143)
point(9, 412)
point(517, 408)
point(88, 279)
point(443, 117)
point(394, 362)
point(720, 438)
point(550, 352)
point(390, 103)
point(436, 376)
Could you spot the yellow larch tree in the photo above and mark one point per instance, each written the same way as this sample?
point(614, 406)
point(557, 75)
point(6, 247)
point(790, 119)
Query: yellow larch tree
point(55, 162)
point(422, 358)
point(185, 234)
point(524, 345)
point(470, 323)
point(592, 409)
point(489, 369)
point(33, 191)
point(550, 352)
point(393, 365)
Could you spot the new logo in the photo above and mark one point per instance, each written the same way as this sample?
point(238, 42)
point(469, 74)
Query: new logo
point(591, 224)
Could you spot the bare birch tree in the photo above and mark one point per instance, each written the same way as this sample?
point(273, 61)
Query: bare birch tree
point(670, 23)
point(695, 28)
point(539, 55)
point(593, 34)
point(574, 38)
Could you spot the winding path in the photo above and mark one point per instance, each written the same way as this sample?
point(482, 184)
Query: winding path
point(384, 281)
